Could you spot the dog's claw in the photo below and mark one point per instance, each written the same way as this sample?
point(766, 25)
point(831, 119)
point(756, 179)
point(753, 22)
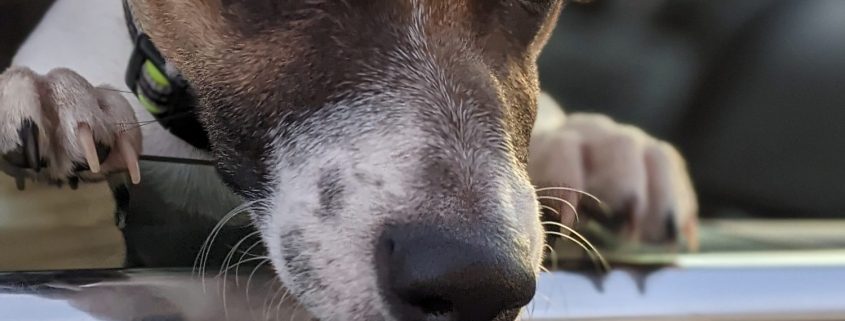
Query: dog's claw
point(29, 143)
point(130, 157)
point(20, 182)
point(73, 182)
point(86, 139)
point(75, 154)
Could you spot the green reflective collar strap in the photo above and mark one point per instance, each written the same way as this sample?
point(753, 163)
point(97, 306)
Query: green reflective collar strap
point(158, 87)
point(161, 90)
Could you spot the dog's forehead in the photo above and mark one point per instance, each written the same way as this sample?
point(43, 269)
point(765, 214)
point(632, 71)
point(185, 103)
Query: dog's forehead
point(254, 15)
point(270, 9)
point(274, 57)
point(192, 25)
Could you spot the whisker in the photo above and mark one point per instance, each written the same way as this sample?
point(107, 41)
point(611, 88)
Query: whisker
point(252, 274)
point(273, 289)
point(246, 252)
point(216, 231)
point(553, 255)
point(115, 90)
point(594, 256)
point(225, 267)
point(282, 296)
point(237, 268)
point(130, 125)
point(144, 123)
point(568, 189)
point(281, 301)
point(268, 303)
point(232, 252)
point(205, 250)
point(249, 280)
point(581, 236)
point(295, 313)
point(239, 263)
point(550, 209)
point(531, 312)
point(565, 202)
point(546, 300)
point(598, 201)
point(252, 259)
point(137, 123)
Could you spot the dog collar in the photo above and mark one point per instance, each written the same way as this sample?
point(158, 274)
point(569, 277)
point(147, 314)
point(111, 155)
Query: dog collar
point(160, 88)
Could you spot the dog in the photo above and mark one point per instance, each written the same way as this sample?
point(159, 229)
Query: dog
point(396, 156)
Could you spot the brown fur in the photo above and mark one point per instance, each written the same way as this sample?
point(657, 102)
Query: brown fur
point(258, 61)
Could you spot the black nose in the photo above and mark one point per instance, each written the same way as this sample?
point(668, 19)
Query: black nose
point(434, 274)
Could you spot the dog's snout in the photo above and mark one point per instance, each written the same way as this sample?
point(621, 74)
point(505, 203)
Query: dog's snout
point(430, 273)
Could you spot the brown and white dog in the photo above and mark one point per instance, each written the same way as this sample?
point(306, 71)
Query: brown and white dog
point(388, 147)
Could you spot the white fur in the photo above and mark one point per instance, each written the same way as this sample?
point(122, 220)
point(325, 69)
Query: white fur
point(18, 98)
point(349, 241)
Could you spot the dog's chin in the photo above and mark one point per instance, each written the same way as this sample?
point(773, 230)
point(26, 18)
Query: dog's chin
point(330, 282)
point(332, 272)
point(325, 304)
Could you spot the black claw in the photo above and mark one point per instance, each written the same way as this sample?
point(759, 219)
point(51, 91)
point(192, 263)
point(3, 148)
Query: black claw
point(103, 152)
point(29, 141)
point(73, 182)
point(615, 221)
point(671, 228)
point(20, 182)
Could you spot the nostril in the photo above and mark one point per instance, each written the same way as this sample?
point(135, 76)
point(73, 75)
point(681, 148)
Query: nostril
point(390, 246)
point(432, 305)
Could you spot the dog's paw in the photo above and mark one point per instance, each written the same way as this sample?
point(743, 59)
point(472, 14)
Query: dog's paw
point(642, 183)
point(60, 128)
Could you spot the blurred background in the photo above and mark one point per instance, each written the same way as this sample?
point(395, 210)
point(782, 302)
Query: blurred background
point(17, 18)
point(752, 91)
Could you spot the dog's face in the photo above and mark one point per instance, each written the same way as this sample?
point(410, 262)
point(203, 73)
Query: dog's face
point(385, 142)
